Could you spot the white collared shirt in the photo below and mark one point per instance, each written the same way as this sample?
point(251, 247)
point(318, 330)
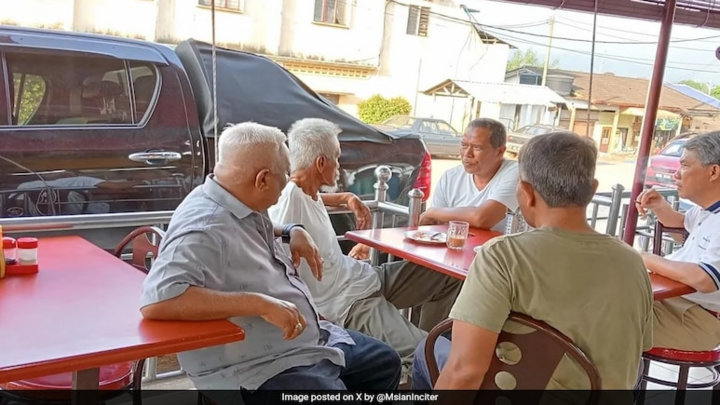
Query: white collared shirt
point(703, 247)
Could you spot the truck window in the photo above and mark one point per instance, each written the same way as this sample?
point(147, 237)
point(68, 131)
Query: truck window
point(68, 89)
point(144, 81)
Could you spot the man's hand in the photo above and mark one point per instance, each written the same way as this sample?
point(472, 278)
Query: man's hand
point(649, 200)
point(361, 211)
point(360, 252)
point(302, 246)
point(426, 218)
point(284, 315)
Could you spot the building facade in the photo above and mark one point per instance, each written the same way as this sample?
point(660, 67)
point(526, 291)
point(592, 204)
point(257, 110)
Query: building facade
point(346, 50)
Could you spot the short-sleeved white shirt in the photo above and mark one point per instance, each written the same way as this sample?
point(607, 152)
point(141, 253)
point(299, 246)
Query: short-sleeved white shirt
point(456, 188)
point(345, 280)
point(703, 247)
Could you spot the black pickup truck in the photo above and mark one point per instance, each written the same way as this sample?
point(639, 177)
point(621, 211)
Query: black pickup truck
point(94, 124)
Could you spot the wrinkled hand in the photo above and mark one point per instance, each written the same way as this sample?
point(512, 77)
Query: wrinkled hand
point(649, 200)
point(284, 315)
point(360, 252)
point(361, 211)
point(303, 247)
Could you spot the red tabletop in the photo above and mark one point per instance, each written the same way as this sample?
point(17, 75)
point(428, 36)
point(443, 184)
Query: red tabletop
point(456, 263)
point(81, 311)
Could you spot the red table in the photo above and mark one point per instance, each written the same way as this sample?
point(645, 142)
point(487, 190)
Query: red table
point(81, 311)
point(456, 263)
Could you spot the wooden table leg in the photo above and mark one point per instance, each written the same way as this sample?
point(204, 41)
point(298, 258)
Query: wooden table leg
point(86, 386)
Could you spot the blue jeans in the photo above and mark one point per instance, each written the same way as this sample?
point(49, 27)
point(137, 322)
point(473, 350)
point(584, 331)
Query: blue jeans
point(420, 373)
point(369, 365)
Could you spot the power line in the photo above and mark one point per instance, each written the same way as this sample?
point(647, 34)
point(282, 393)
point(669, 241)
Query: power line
point(630, 39)
point(608, 57)
point(634, 32)
point(597, 42)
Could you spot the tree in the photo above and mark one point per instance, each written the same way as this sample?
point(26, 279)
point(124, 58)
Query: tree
point(528, 58)
point(377, 108)
point(697, 85)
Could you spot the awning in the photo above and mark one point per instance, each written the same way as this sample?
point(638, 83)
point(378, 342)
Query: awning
point(640, 112)
point(503, 93)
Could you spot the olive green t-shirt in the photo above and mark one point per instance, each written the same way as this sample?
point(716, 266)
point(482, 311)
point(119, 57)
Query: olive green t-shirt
point(593, 288)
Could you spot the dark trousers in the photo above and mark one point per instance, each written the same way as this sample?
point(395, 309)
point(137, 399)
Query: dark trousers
point(370, 365)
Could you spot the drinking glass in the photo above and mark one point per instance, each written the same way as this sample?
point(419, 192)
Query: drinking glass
point(457, 235)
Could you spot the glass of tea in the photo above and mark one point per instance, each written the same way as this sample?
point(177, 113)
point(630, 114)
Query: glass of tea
point(457, 235)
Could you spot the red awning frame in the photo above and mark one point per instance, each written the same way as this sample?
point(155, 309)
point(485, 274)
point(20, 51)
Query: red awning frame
point(700, 13)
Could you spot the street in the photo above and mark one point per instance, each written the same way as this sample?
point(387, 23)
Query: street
point(608, 173)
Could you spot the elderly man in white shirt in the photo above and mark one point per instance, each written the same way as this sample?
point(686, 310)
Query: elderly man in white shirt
point(691, 322)
point(353, 293)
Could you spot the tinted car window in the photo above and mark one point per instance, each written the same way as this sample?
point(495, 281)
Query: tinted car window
point(69, 89)
point(445, 129)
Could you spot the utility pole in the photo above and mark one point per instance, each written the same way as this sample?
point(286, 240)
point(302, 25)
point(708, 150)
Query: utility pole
point(549, 47)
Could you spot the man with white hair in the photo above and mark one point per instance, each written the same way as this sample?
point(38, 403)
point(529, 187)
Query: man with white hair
point(351, 292)
point(221, 259)
point(690, 322)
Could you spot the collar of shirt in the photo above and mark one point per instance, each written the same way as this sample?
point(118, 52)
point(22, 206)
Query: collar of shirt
point(714, 208)
point(222, 197)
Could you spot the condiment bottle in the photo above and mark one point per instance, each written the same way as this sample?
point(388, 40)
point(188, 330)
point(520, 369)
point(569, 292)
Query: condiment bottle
point(9, 247)
point(27, 251)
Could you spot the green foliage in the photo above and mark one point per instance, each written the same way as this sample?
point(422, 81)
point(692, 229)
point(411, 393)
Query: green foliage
point(377, 108)
point(33, 90)
point(528, 58)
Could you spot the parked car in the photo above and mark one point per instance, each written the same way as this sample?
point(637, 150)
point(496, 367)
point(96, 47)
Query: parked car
point(99, 124)
point(516, 139)
point(439, 136)
point(662, 167)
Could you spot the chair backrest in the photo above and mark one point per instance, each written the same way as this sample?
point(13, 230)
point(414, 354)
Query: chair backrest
point(660, 230)
point(142, 245)
point(540, 352)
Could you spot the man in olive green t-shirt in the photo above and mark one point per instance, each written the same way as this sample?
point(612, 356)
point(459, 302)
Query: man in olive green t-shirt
point(591, 287)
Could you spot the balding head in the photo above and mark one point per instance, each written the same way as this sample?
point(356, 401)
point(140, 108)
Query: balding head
point(253, 163)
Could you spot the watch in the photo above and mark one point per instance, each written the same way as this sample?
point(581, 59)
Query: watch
point(285, 235)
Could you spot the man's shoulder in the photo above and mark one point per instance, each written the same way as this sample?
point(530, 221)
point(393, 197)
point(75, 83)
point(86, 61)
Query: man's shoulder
point(508, 169)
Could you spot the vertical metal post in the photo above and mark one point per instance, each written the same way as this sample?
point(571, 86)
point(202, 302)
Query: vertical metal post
point(415, 206)
point(648, 125)
point(614, 212)
point(383, 175)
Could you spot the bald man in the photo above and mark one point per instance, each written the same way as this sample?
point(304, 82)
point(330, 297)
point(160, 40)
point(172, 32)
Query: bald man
point(222, 258)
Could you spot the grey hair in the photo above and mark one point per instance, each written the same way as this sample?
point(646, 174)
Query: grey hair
point(560, 167)
point(706, 147)
point(242, 142)
point(498, 133)
point(311, 138)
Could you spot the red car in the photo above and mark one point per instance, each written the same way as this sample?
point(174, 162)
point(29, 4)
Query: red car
point(663, 166)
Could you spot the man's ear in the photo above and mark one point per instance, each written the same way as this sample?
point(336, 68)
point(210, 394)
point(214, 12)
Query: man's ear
point(714, 172)
point(261, 179)
point(528, 193)
point(320, 163)
point(595, 183)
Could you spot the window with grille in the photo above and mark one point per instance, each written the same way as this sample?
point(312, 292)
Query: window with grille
point(234, 5)
point(332, 12)
point(418, 20)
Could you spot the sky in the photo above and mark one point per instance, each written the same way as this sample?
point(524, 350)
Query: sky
point(687, 60)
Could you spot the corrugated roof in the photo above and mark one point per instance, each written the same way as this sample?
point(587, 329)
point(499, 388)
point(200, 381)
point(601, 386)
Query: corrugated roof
point(505, 93)
point(609, 89)
point(696, 94)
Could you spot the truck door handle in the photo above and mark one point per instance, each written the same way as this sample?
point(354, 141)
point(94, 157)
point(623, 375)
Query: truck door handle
point(154, 158)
